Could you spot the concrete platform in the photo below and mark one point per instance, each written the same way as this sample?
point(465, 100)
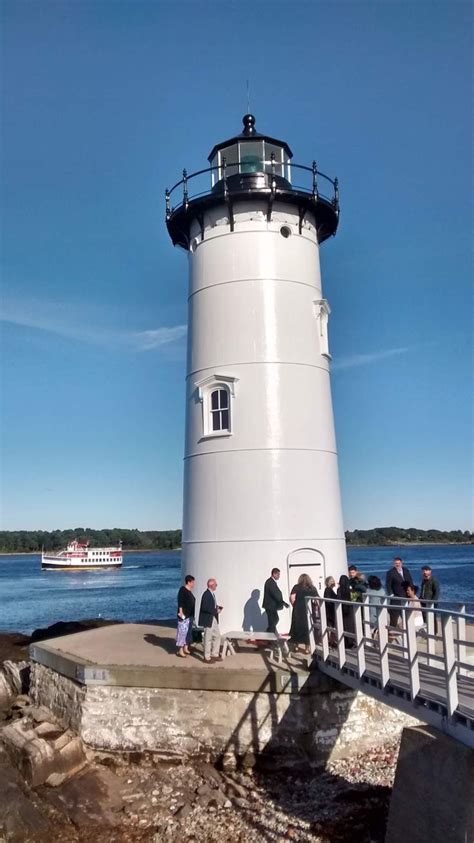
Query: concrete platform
point(123, 689)
point(144, 656)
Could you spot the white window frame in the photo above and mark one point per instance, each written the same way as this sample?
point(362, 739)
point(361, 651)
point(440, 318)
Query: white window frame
point(205, 388)
point(321, 312)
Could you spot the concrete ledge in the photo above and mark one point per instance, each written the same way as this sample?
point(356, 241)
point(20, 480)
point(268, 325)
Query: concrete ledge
point(142, 656)
point(433, 794)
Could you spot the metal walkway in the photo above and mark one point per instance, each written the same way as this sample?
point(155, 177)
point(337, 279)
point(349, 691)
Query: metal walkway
point(424, 666)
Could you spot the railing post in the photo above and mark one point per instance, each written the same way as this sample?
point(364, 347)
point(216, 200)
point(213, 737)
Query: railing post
point(341, 647)
point(412, 648)
point(168, 204)
point(272, 166)
point(461, 636)
point(224, 177)
point(404, 628)
point(312, 636)
point(449, 663)
point(382, 623)
point(324, 627)
point(431, 631)
point(315, 181)
point(357, 609)
point(335, 201)
point(366, 616)
point(185, 189)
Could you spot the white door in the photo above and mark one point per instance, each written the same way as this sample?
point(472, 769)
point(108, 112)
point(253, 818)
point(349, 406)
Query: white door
point(306, 560)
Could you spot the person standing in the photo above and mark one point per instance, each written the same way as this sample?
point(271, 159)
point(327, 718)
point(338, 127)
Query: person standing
point(395, 580)
point(330, 593)
point(186, 609)
point(344, 593)
point(273, 600)
point(357, 583)
point(299, 631)
point(209, 620)
point(429, 590)
point(376, 594)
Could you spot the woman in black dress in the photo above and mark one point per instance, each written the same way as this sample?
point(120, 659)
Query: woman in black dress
point(299, 632)
point(186, 609)
point(344, 593)
point(330, 593)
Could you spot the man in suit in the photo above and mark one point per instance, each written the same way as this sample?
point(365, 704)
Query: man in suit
point(396, 577)
point(209, 619)
point(273, 600)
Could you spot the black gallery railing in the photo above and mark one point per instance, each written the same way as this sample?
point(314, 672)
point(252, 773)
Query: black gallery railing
point(271, 182)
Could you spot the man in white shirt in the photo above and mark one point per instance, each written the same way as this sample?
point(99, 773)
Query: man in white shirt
point(209, 619)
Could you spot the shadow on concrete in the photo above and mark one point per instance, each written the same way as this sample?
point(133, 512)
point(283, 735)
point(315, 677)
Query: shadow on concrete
point(254, 619)
point(291, 766)
point(168, 645)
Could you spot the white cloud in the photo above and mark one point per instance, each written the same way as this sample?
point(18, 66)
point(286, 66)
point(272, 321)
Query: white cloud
point(82, 324)
point(363, 359)
point(148, 340)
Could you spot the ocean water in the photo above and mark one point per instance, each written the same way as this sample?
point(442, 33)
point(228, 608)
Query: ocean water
point(146, 586)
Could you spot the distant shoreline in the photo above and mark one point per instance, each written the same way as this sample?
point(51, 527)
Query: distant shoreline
point(393, 545)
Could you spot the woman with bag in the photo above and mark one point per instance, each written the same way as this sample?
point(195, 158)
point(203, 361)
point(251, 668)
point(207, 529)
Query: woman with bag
point(186, 609)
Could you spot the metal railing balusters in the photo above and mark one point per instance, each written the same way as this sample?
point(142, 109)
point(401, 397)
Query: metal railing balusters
point(224, 177)
point(324, 629)
point(382, 624)
point(315, 180)
point(341, 646)
point(449, 663)
point(185, 189)
point(312, 636)
point(412, 649)
point(430, 639)
point(359, 637)
point(461, 637)
point(415, 670)
point(220, 171)
point(366, 616)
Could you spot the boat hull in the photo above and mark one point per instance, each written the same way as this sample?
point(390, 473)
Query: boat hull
point(50, 565)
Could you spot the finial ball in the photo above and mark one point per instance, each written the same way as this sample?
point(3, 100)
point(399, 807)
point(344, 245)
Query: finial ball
point(249, 124)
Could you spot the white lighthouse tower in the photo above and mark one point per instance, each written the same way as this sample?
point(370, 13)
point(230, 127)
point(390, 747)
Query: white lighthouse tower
point(261, 484)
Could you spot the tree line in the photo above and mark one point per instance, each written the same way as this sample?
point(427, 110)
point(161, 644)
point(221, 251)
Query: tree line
point(33, 541)
point(397, 535)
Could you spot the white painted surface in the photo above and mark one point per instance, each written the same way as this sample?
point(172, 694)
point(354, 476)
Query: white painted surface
point(255, 496)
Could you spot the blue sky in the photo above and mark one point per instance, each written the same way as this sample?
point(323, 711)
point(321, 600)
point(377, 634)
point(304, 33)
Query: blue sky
point(103, 104)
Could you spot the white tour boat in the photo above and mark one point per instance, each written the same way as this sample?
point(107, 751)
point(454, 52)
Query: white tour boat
point(79, 556)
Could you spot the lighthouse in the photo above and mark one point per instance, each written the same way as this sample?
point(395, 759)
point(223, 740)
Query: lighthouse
point(261, 481)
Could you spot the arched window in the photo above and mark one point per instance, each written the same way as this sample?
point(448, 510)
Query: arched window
point(219, 409)
point(216, 394)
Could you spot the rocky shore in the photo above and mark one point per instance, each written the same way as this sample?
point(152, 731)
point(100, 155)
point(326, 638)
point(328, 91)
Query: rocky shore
point(137, 798)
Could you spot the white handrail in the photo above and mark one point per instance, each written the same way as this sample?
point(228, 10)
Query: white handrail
point(433, 669)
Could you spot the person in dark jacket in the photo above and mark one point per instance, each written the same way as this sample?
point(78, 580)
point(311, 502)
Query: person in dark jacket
point(186, 608)
point(397, 576)
point(344, 593)
point(273, 600)
point(429, 589)
point(209, 620)
point(357, 582)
